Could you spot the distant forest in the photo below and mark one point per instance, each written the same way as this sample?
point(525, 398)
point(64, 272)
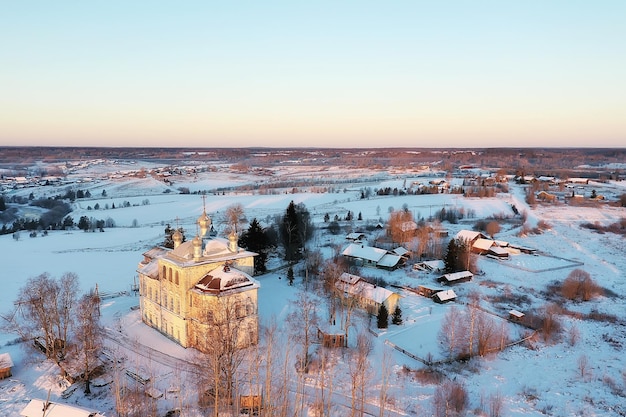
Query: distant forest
point(561, 162)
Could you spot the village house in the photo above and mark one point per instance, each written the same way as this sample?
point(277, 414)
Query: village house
point(187, 291)
point(367, 296)
point(364, 255)
point(430, 266)
point(482, 245)
point(445, 296)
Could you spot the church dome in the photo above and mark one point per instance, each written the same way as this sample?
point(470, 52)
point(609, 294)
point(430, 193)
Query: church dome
point(177, 237)
point(204, 221)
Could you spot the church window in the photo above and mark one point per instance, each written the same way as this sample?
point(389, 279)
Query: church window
point(177, 281)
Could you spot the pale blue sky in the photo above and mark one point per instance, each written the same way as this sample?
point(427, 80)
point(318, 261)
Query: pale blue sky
point(320, 73)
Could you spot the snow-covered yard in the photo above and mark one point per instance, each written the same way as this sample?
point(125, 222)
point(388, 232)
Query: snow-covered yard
point(544, 379)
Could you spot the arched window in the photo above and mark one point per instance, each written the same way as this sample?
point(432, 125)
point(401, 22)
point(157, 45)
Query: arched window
point(163, 272)
point(249, 307)
point(177, 282)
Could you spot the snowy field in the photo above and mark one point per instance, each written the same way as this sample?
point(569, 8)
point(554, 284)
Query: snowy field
point(538, 381)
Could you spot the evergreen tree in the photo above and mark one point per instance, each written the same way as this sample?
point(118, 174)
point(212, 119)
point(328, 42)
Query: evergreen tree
point(256, 239)
point(80, 194)
point(68, 222)
point(83, 223)
point(326, 217)
point(290, 275)
point(396, 317)
point(295, 229)
point(383, 317)
point(104, 193)
point(360, 216)
point(169, 232)
point(458, 257)
point(3, 205)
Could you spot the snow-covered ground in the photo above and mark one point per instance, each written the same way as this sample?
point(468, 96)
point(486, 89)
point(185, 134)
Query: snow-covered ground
point(543, 380)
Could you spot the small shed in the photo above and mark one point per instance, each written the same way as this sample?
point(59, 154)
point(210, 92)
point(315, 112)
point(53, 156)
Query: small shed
point(444, 296)
point(355, 237)
point(456, 277)
point(427, 291)
point(332, 339)
point(6, 364)
point(515, 315)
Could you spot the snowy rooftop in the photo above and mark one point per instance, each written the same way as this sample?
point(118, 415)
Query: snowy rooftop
point(35, 408)
point(5, 361)
point(369, 253)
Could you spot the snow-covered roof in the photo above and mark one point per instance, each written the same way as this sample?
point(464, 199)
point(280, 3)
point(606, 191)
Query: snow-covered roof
point(369, 253)
point(365, 290)
point(438, 264)
point(349, 278)
point(355, 236)
point(446, 295)
point(35, 408)
point(215, 249)
point(151, 269)
point(483, 244)
point(455, 276)
point(400, 251)
point(5, 361)
point(516, 313)
point(497, 250)
point(389, 261)
point(469, 235)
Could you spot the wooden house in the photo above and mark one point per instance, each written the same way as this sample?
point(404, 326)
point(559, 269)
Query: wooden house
point(367, 296)
point(446, 296)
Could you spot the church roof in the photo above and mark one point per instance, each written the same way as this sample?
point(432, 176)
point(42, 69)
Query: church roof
point(214, 249)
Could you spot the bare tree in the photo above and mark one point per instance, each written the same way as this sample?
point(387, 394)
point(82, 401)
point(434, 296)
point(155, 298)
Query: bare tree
point(88, 335)
point(583, 366)
point(580, 286)
point(359, 368)
point(401, 226)
point(492, 228)
point(222, 352)
point(303, 321)
point(234, 217)
point(450, 399)
point(452, 333)
point(44, 311)
point(496, 404)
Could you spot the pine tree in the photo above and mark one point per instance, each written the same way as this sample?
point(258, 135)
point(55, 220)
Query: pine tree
point(396, 317)
point(383, 317)
point(256, 239)
point(290, 275)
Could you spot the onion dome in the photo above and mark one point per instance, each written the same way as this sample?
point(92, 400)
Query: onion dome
point(177, 237)
point(204, 222)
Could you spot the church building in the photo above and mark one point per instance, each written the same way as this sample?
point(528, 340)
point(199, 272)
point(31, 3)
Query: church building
point(199, 289)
